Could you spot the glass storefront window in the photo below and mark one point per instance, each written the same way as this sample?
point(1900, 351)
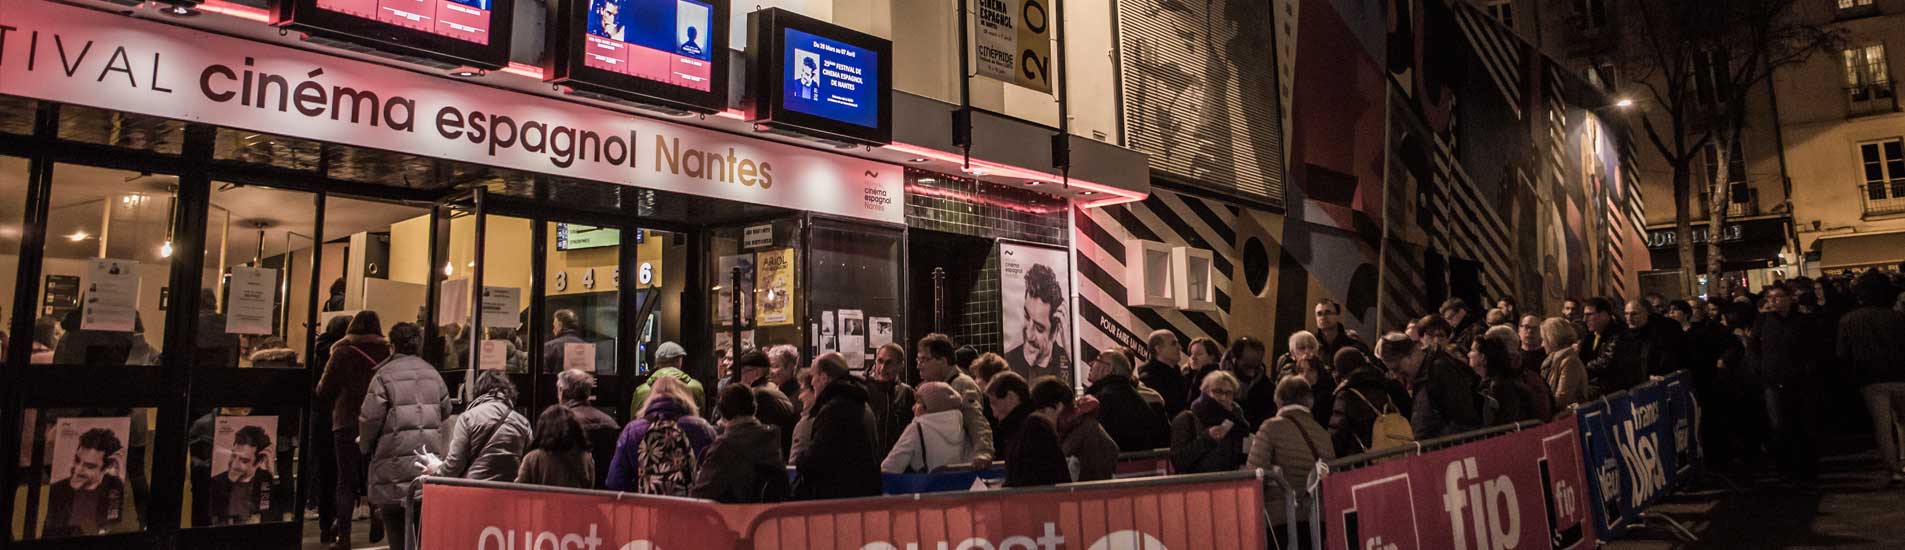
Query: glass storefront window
point(500, 318)
point(241, 466)
point(16, 114)
point(256, 282)
point(376, 257)
point(121, 129)
point(582, 295)
point(266, 149)
point(767, 257)
point(107, 262)
point(13, 185)
point(856, 279)
point(82, 472)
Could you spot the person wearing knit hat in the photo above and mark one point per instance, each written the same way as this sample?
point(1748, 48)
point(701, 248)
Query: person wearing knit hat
point(937, 436)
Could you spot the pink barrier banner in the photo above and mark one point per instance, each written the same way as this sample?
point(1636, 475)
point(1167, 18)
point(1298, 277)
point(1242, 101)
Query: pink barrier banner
point(491, 518)
point(1523, 490)
point(1217, 515)
point(1212, 511)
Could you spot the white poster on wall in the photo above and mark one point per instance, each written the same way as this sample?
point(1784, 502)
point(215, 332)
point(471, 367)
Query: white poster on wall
point(502, 306)
point(853, 337)
point(1035, 297)
point(253, 300)
point(879, 332)
point(828, 339)
point(453, 301)
point(111, 296)
point(181, 73)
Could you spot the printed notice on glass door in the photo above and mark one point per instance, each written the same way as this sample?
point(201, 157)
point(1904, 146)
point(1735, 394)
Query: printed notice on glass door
point(774, 281)
point(112, 296)
point(254, 296)
point(502, 306)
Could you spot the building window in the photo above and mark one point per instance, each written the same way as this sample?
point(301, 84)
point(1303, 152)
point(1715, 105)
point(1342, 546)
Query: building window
point(1867, 76)
point(1851, 4)
point(1713, 76)
point(1593, 13)
point(1503, 11)
point(1884, 163)
point(1735, 164)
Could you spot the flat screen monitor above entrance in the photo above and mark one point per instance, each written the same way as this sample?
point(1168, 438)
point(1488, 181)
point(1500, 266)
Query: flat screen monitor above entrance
point(439, 33)
point(823, 80)
point(669, 53)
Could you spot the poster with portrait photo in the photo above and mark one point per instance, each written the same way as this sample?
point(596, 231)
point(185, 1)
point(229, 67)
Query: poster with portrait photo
point(244, 452)
point(88, 494)
point(1035, 293)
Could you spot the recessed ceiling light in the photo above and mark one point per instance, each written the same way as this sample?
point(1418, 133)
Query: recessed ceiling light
point(77, 236)
point(916, 160)
point(180, 10)
point(1034, 183)
point(929, 180)
point(1089, 193)
point(465, 73)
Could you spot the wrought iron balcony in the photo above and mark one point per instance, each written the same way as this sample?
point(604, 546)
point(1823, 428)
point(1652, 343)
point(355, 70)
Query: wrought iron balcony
point(1883, 199)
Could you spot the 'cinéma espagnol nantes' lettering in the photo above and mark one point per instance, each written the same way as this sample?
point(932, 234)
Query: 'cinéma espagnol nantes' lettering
point(308, 95)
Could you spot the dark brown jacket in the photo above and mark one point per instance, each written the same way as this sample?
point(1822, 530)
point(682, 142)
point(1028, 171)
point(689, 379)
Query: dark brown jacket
point(347, 375)
point(574, 469)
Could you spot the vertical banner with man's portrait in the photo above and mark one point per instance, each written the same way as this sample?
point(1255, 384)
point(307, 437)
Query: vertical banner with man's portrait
point(88, 494)
point(243, 481)
point(1034, 291)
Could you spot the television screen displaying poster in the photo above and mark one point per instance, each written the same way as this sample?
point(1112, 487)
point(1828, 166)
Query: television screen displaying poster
point(667, 52)
point(774, 281)
point(471, 33)
point(1035, 295)
point(244, 456)
point(89, 466)
point(820, 79)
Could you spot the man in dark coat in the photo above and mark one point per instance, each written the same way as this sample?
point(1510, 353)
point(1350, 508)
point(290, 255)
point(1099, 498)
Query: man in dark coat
point(1130, 420)
point(576, 388)
point(744, 465)
point(771, 406)
point(1872, 338)
point(1443, 390)
point(892, 400)
point(1330, 331)
point(1465, 325)
point(1258, 396)
point(568, 331)
point(1659, 342)
point(1782, 349)
point(839, 461)
point(1163, 372)
point(1609, 352)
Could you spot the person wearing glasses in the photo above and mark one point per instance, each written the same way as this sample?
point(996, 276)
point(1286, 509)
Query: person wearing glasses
point(1210, 435)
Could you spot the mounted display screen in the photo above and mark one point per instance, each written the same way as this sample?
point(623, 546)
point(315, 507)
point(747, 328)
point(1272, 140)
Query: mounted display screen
point(457, 32)
point(665, 52)
point(820, 79)
point(578, 237)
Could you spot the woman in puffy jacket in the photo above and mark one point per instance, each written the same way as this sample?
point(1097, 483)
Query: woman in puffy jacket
point(1209, 436)
point(490, 437)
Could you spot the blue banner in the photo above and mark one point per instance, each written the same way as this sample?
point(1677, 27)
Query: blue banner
point(1637, 445)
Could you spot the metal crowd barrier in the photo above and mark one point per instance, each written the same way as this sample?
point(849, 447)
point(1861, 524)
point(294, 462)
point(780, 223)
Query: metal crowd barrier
point(1152, 463)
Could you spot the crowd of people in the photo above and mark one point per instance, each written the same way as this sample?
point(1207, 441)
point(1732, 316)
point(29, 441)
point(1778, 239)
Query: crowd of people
point(1757, 361)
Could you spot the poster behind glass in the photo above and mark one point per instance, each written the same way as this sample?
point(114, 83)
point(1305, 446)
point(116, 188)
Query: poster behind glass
point(1034, 294)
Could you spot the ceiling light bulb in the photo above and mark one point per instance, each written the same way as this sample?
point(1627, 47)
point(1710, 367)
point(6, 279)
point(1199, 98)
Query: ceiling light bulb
point(448, 269)
point(77, 236)
point(165, 250)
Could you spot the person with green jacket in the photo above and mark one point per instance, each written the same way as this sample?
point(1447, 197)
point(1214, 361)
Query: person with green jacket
point(668, 359)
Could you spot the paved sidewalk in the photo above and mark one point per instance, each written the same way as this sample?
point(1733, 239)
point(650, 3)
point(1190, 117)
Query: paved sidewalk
point(1849, 507)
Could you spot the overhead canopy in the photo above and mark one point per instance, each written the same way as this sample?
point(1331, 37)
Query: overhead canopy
point(1856, 251)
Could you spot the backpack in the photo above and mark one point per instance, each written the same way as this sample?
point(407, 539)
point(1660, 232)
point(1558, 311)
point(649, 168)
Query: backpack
point(1389, 429)
point(666, 462)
